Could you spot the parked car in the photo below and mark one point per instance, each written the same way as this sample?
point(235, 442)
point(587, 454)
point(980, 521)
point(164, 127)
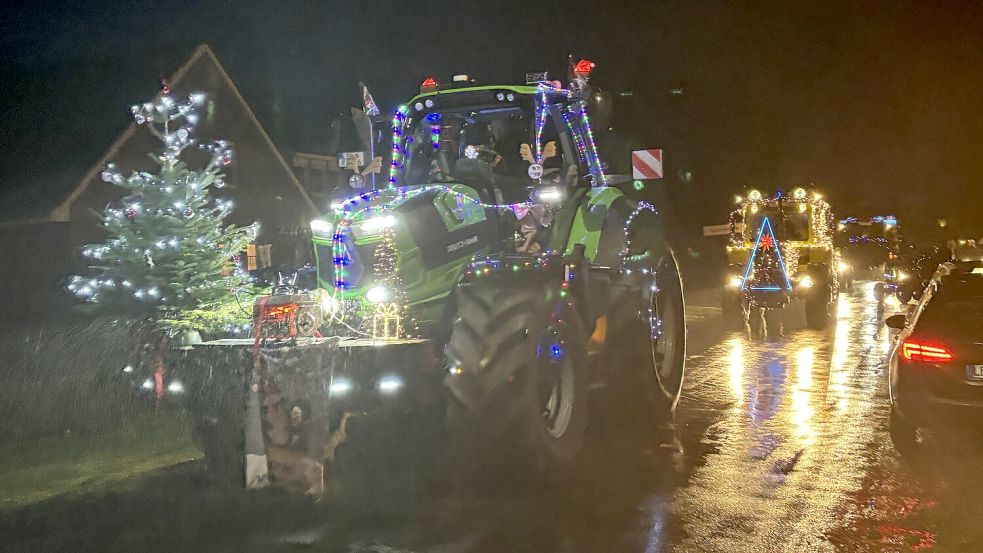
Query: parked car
point(936, 365)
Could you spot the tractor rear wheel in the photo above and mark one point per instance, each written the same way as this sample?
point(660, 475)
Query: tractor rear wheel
point(518, 378)
point(820, 309)
point(733, 310)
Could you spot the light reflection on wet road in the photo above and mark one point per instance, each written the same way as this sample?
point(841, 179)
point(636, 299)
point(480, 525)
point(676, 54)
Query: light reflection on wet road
point(798, 417)
point(778, 446)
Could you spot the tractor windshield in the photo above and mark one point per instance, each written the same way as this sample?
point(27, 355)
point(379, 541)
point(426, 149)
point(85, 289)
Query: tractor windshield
point(496, 146)
point(788, 225)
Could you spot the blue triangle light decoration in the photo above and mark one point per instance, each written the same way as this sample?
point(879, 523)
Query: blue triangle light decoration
point(766, 227)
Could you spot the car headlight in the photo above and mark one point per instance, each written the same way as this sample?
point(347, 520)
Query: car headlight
point(806, 282)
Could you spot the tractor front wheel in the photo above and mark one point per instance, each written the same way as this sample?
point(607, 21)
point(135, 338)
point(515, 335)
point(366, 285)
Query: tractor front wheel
point(518, 378)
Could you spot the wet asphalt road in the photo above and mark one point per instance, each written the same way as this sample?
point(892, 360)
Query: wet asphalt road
point(778, 445)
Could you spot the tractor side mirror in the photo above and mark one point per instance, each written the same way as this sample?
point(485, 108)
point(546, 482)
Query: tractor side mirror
point(897, 322)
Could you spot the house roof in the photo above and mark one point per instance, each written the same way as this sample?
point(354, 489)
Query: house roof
point(201, 54)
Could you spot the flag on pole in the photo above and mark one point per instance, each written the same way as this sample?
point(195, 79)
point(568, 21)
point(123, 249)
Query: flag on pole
point(368, 104)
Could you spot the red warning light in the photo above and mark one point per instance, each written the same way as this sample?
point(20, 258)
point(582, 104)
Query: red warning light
point(583, 67)
point(428, 84)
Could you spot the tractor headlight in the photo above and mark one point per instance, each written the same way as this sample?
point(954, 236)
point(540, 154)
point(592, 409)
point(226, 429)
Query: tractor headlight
point(377, 294)
point(373, 225)
point(734, 281)
point(843, 266)
point(329, 304)
point(902, 276)
point(754, 195)
point(340, 386)
point(806, 282)
point(390, 384)
point(320, 227)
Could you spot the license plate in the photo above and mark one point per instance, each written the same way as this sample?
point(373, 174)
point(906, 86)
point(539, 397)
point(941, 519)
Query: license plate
point(974, 372)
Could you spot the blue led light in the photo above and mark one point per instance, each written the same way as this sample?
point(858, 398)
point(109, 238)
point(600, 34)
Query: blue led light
point(766, 224)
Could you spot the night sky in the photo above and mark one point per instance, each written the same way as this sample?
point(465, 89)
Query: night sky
point(880, 105)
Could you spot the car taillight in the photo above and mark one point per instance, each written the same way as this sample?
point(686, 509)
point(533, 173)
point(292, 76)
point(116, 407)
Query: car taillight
point(913, 350)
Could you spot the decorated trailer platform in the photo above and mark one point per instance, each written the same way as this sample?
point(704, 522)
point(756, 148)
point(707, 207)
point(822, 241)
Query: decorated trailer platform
point(275, 413)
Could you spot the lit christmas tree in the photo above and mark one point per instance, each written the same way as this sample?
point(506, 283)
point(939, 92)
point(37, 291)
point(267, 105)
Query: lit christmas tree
point(169, 254)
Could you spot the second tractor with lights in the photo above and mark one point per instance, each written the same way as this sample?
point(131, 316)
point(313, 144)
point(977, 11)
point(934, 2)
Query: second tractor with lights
point(781, 249)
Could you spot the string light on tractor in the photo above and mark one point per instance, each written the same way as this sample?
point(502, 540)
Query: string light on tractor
point(766, 241)
point(434, 119)
point(398, 121)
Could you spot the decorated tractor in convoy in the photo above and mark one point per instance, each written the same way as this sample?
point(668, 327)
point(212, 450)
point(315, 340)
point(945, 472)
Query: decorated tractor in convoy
point(870, 249)
point(781, 249)
point(502, 243)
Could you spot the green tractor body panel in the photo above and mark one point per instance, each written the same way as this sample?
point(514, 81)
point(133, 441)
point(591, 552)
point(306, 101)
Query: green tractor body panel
point(427, 277)
point(588, 222)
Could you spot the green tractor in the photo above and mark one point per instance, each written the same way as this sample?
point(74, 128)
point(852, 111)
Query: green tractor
point(500, 277)
point(501, 240)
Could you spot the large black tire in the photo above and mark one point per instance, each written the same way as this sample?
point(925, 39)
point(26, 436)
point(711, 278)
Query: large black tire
point(664, 339)
point(820, 309)
point(733, 310)
point(645, 352)
point(518, 381)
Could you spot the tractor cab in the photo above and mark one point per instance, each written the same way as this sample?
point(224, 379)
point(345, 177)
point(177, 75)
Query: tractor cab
point(473, 170)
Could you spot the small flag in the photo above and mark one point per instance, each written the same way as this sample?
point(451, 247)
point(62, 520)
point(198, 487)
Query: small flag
point(368, 104)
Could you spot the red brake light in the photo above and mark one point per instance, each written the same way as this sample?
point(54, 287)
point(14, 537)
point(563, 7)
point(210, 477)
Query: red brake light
point(583, 67)
point(918, 351)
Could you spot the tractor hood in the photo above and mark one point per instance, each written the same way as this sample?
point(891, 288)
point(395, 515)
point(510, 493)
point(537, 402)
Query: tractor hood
point(432, 231)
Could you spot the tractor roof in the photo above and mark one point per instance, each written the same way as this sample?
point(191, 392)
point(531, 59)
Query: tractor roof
point(517, 89)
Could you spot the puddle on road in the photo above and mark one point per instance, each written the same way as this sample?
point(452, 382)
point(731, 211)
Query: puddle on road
point(798, 419)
